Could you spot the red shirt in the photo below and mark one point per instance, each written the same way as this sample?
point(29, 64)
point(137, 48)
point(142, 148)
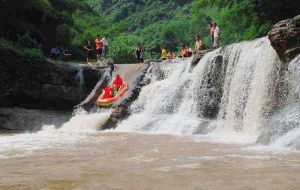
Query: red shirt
point(212, 30)
point(118, 82)
point(98, 43)
point(107, 93)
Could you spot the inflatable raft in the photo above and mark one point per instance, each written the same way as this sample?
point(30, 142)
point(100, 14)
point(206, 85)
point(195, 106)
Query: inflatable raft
point(110, 101)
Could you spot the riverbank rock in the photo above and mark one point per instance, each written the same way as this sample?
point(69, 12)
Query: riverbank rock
point(41, 84)
point(285, 38)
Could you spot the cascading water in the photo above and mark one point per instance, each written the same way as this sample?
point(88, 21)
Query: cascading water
point(229, 95)
point(283, 128)
point(80, 78)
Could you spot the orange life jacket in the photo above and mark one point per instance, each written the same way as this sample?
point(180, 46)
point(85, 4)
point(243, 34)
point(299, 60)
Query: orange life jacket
point(98, 43)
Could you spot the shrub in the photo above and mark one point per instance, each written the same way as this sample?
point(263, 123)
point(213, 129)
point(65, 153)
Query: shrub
point(26, 41)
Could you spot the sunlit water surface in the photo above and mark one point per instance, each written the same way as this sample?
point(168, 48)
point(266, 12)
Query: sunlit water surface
point(108, 160)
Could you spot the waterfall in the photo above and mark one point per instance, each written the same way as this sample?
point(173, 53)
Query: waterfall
point(230, 95)
point(283, 127)
point(80, 78)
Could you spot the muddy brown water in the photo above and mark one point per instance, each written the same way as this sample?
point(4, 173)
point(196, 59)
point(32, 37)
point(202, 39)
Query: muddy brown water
point(139, 161)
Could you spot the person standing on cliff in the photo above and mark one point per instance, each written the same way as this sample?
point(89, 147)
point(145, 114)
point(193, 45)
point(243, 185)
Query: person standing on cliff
point(139, 53)
point(90, 49)
point(99, 46)
point(105, 46)
point(217, 36)
point(198, 44)
point(212, 30)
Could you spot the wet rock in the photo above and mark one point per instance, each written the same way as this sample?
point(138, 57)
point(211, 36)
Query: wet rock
point(285, 38)
point(198, 56)
point(209, 98)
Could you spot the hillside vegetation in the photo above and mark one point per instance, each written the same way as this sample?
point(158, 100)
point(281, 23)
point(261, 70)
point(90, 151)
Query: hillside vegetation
point(29, 26)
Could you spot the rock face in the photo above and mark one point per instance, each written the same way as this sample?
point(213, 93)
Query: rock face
point(20, 119)
point(285, 38)
point(40, 84)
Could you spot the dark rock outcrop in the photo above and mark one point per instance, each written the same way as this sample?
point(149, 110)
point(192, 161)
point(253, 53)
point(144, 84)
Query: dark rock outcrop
point(40, 84)
point(285, 38)
point(89, 102)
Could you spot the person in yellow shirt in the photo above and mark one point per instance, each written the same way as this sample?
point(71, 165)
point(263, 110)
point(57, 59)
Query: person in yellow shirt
point(163, 54)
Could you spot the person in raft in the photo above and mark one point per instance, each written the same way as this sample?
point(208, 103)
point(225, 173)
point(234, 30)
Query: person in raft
point(163, 54)
point(99, 46)
point(117, 84)
point(90, 50)
point(107, 92)
point(170, 54)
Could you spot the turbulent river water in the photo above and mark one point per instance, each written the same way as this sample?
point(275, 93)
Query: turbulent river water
point(215, 126)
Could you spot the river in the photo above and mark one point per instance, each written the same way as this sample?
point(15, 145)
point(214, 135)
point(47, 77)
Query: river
point(109, 160)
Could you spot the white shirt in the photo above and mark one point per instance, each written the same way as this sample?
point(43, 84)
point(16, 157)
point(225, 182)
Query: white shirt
point(105, 41)
point(217, 31)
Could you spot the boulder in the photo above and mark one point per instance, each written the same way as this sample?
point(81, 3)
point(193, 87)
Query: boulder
point(285, 38)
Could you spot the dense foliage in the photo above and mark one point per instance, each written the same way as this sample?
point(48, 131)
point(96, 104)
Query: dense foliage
point(34, 24)
point(238, 19)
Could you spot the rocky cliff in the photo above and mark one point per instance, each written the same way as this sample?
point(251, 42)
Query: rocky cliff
point(285, 38)
point(41, 84)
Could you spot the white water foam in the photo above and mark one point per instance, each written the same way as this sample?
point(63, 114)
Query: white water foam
point(81, 128)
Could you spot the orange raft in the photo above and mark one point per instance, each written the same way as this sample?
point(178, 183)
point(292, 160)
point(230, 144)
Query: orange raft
point(110, 101)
